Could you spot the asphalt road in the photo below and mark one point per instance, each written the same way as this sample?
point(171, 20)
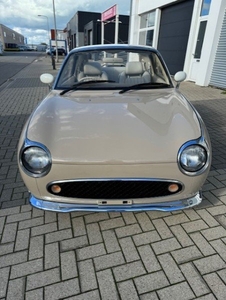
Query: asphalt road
point(13, 62)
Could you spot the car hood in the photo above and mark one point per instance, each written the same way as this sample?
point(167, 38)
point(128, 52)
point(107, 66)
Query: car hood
point(108, 127)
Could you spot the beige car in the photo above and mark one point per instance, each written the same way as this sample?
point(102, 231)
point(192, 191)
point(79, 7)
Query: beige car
point(114, 134)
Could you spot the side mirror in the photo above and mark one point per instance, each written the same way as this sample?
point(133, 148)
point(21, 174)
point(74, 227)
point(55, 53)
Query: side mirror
point(179, 77)
point(47, 78)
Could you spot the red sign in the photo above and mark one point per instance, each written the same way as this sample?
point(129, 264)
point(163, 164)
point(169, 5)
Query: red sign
point(109, 13)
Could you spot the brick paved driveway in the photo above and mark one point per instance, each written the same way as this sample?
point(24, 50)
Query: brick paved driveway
point(127, 256)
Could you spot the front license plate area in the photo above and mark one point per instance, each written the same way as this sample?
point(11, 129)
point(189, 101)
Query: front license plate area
point(114, 202)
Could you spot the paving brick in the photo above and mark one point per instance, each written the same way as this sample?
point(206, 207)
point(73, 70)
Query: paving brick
point(18, 217)
point(13, 258)
point(35, 295)
point(6, 248)
point(4, 275)
point(162, 229)
point(166, 246)
point(207, 297)
point(186, 254)
point(176, 219)
point(94, 295)
point(214, 233)
point(209, 264)
point(128, 271)
point(216, 285)
point(2, 222)
point(177, 292)
point(222, 274)
point(26, 268)
point(149, 259)
point(107, 285)
point(94, 234)
point(36, 249)
point(129, 218)
point(206, 216)
point(64, 221)
point(221, 220)
point(51, 256)
point(114, 214)
point(170, 268)
point(219, 192)
point(194, 226)
point(220, 247)
point(108, 261)
point(158, 214)
point(181, 235)
point(16, 289)
point(194, 279)
point(151, 282)
point(22, 240)
point(128, 249)
point(144, 221)
point(96, 217)
point(202, 244)
point(111, 241)
point(90, 251)
point(31, 223)
point(127, 290)
point(9, 233)
point(146, 238)
point(74, 243)
point(191, 214)
point(87, 275)
point(42, 279)
point(149, 296)
point(58, 236)
point(217, 210)
point(68, 265)
point(112, 223)
point(62, 290)
point(78, 226)
point(50, 217)
point(43, 229)
point(128, 230)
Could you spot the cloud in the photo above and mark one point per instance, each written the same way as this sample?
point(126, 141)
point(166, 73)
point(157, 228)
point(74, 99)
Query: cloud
point(22, 15)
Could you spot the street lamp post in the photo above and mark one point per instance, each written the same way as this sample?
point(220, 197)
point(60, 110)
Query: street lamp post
point(54, 16)
point(47, 19)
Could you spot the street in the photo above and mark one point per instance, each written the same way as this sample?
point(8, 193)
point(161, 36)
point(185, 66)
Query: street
point(108, 256)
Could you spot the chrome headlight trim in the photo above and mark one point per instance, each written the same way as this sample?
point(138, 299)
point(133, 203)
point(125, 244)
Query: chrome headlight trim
point(30, 144)
point(198, 142)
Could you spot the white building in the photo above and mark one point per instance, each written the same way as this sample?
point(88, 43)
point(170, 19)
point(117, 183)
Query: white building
point(190, 34)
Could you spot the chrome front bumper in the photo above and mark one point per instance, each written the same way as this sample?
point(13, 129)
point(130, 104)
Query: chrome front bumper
point(163, 206)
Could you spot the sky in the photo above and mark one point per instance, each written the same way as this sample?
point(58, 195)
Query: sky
point(22, 15)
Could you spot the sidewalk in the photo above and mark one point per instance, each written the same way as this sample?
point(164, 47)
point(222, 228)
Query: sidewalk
point(92, 256)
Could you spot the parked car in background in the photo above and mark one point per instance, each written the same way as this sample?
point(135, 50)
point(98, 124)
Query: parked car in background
point(114, 134)
point(24, 48)
point(61, 51)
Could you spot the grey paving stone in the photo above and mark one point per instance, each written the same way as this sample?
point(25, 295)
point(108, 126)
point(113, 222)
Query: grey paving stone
point(90, 251)
point(166, 246)
point(207, 217)
point(4, 275)
point(68, 265)
point(50, 217)
point(222, 274)
point(191, 214)
point(94, 295)
point(31, 223)
point(107, 285)
point(43, 229)
point(149, 296)
point(162, 229)
point(222, 220)
point(216, 285)
point(194, 279)
point(112, 223)
point(151, 282)
point(18, 217)
point(58, 236)
point(94, 234)
point(42, 279)
point(16, 289)
point(62, 290)
point(6, 248)
point(146, 238)
point(214, 233)
point(144, 221)
point(111, 241)
point(26, 268)
point(87, 276)
point(22, 240)
point(217, 210)
point(108, 261)
point(74, 243)
point(128, 230)
point(202, 244)
point(36, 249)
point(129, 218)
point(220, 247)
point(13, 259)
point(209, 264)
point(51, 256)
point(186, 254)
point(2, 222)
point(177, 292)
point(128, 271)
point(129, 250)
point(35, 295)
point(194, 226)
point(181, 235)
point(176, 219)
point(127, 290)
point(9, 233)
point(96, 217)
point(170, 268)
point(78, 226)
point(64, 221)
point(149, 259)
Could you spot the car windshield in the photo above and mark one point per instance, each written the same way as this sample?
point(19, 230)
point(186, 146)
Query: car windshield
point(115, 69)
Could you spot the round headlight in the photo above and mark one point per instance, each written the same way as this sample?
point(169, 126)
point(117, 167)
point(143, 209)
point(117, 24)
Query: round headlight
point(36, 160)
point(193, 158)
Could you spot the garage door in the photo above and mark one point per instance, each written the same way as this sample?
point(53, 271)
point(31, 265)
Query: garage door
point(218, 77)
point(174, 32)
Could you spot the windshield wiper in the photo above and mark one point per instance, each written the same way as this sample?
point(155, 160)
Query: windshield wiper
point(148, 85)
point(75, 86)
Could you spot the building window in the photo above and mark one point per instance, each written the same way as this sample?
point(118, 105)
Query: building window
point(147, 27)
point(14, 36)
point(205, 8)
point(4, 34)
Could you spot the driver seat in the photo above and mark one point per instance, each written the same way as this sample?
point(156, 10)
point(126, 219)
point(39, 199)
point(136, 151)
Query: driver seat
point(134, 74)
point(93, 69)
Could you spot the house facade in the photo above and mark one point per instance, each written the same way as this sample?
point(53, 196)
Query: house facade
point(9, 38)
point(190, 34)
